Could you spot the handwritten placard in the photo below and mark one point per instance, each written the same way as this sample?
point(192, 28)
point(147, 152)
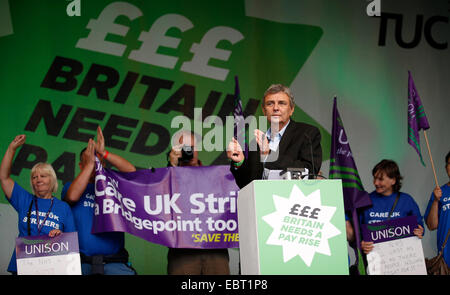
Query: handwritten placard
point(42, 255)
point(397, 251)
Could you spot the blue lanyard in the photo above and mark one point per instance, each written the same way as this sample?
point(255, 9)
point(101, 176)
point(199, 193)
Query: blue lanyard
point(39, 226)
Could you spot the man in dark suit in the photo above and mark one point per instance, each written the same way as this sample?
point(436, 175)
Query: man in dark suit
point(286, 144)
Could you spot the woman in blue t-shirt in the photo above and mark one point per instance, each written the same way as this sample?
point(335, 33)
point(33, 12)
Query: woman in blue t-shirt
point(388, 181)
point(437, 214)
point(39, 213)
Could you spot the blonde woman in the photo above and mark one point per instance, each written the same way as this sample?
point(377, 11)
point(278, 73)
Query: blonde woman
point(40, 213)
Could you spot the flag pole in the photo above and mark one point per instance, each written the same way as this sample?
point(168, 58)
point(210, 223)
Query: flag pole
point(358, 255)
point(431, 158)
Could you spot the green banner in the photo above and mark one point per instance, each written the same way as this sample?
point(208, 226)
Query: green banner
point(133, 67)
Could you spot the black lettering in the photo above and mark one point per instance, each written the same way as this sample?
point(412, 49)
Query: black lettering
point(163, 139)
point(417, 32)
point(251, 107)
point(211, 103)
point(186, 92)
point(67, 162)
point(154, 85)
point(304, 211)
point(227, 107)
point(27, 157)
point(78, 122)
point(64, 69)
point(314, 213)
point(384, 17)
point(92, 81)
point(294, 209)
point(127, 86)
point(427, 31)
point(43, 111)
point(112, 129)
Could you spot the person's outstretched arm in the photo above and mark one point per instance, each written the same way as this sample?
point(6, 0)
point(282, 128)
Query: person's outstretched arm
point(5, 169)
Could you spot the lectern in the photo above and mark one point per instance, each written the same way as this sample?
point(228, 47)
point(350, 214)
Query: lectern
point(294, 227)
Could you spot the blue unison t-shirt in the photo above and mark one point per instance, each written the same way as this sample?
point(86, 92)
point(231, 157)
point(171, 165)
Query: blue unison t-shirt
point(444, 220)
point(381, 206)
point(59, 217)
point(83, 211)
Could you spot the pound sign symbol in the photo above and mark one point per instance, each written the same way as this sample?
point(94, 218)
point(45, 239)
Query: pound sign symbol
point(294, 209)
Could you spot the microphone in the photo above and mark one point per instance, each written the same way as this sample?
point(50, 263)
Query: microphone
point(264, 175)
point(313, 174)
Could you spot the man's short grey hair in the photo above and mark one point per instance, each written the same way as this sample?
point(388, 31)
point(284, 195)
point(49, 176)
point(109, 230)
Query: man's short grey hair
point(275, 88)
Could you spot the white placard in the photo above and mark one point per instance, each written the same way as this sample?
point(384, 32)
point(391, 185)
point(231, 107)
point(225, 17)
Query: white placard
point(397, 257)
point(42, 255)
point(69, 264)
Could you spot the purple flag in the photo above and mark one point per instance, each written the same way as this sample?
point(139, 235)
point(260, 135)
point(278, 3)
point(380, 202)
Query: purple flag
point(342, 166)
point(178, 207)
point(239, 121)
point(417, 119)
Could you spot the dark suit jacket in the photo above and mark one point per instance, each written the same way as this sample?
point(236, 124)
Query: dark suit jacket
point(296, 145)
